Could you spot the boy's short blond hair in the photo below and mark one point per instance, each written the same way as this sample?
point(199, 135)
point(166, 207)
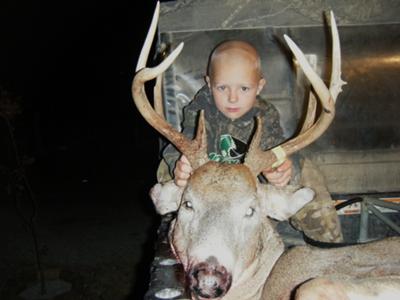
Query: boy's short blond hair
point(235, 47)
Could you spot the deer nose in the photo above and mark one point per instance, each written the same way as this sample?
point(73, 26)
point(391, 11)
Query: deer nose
point(209, 279)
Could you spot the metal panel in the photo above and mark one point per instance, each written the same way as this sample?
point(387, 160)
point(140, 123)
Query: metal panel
point(201, 15)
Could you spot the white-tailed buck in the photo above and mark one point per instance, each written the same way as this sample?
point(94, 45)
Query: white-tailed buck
point(222, 236)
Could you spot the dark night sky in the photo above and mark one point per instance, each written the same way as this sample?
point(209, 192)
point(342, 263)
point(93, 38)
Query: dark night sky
point(72, 63)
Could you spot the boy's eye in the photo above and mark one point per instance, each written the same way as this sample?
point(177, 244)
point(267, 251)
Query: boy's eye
point(221, 88)
point(245, 88)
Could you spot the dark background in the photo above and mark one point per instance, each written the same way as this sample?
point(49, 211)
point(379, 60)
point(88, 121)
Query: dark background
point(88, 155)
point(72, 64)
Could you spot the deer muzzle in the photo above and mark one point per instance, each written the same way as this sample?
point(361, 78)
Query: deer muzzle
point(209, 279)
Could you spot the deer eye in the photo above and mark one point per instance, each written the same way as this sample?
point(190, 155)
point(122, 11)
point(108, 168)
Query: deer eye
point(188, 205)
point(250, 212)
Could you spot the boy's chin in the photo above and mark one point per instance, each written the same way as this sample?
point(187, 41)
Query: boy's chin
point(233, 115)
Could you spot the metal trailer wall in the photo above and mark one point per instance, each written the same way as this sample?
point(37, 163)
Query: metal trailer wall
point(360, 152)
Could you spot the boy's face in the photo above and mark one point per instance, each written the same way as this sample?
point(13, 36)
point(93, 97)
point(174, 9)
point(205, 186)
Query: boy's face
point(235, 81)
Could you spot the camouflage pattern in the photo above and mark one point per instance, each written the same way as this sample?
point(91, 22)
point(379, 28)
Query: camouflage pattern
point(218, 125)
point(318, 219)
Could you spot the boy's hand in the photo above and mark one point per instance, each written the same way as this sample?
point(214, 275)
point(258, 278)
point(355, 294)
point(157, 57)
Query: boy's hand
point(281, 175)
point(182, 171)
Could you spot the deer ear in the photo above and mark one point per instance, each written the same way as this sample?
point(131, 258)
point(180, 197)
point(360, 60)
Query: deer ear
point(281, 204)
point(166, 197)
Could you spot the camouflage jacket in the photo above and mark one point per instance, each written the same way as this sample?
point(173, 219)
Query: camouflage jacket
point(227, 139)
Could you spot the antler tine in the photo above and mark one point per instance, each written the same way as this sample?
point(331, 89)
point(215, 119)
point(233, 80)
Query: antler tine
point(336, 82)
point(144, 54)
point(196, 150)
point(258, 160)
point(316, 81)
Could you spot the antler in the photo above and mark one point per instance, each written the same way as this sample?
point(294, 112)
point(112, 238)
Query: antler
point(195, 150)
point(258, 160)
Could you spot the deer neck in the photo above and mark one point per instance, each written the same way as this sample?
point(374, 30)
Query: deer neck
point(250, 284)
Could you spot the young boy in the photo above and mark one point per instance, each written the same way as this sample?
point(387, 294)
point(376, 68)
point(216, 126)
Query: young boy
point(229, 100)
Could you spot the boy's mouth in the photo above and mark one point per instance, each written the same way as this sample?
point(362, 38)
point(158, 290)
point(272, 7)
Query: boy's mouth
point(232, 109)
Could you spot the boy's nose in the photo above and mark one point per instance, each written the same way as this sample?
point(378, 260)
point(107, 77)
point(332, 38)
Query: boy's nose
point(233, 96)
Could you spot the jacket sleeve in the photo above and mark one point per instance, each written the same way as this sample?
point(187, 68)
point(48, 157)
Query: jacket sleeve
point(272, 131)
point(273, 136)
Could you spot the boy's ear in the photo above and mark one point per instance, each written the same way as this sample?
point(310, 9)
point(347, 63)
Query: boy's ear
point(261, 84)
point(207, 78)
